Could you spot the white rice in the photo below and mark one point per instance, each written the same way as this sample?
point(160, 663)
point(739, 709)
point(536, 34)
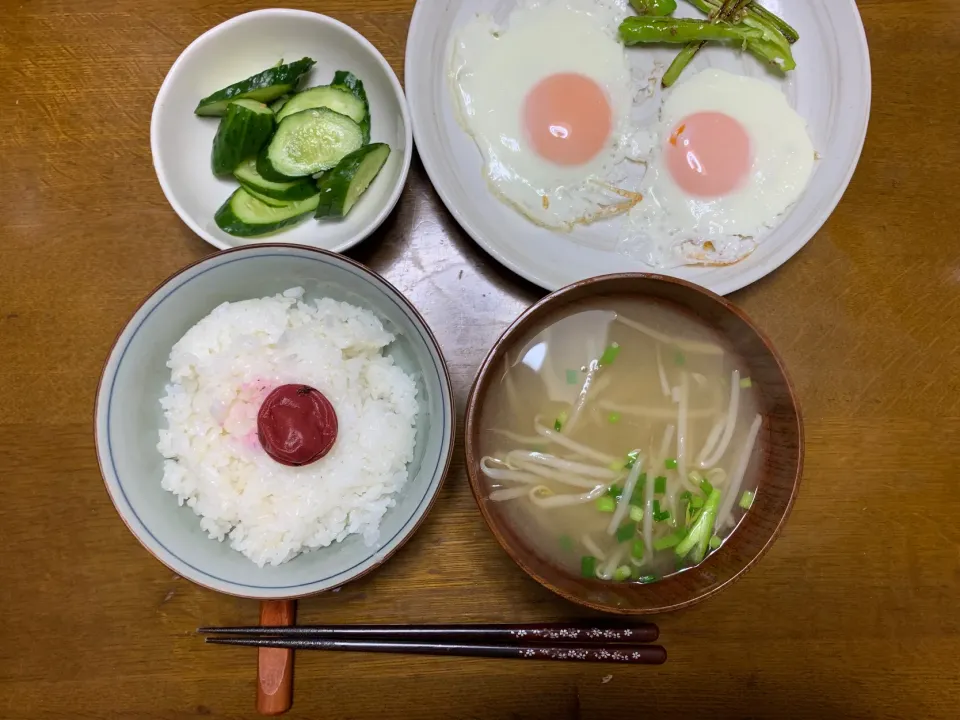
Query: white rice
point(225, 366)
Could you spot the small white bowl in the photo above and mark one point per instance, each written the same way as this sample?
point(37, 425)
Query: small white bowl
point(181, 142)
point(128, 417)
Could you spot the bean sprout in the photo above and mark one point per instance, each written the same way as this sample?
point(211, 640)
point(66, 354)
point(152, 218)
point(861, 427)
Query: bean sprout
point(594, 471)
point(544, 497)
point(736, 479)
point(664, 383)
point(593, 548)
point(624, 505)
point(559, 439)
point(686, 345)
point(504, 494)
point(731, 422)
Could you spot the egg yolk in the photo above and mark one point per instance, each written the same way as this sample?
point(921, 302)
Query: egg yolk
point(567, 118)
point(708, 154)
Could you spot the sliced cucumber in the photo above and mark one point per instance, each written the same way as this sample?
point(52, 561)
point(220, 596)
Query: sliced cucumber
point(278, 104)
point(349, 81)
point(341, 187)
point(266, 199)
point(245, 129)
point(339, 99)
point(307, 142)
point(243, 215)
point(263, 87)
point(247, 175)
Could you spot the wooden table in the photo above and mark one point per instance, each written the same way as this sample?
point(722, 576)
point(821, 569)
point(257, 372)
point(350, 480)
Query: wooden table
point(852, 614)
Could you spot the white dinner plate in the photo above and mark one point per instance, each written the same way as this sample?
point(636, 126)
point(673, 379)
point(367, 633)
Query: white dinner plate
point(830, 88)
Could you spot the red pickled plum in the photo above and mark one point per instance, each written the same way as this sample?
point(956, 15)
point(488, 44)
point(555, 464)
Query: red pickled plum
point(296, 425)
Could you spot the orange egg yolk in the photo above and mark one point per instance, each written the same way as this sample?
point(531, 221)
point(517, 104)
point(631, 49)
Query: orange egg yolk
point(567, 118)
point(708, 154)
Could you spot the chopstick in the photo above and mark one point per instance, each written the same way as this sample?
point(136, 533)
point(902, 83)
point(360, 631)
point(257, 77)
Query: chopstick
point(551, 632)
point(617, 653)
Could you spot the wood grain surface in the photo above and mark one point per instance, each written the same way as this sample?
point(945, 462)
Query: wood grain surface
point(852, 614)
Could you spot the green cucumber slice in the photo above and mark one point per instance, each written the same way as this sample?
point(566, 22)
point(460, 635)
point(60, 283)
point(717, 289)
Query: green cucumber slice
point(341, 187)
point(243, 215)
point(278, 104)
point(245, 129)
point(247, 175)
point(349, 81)
point(266, 199)
point(339, 99)
point(307, 142)
point(263, 87)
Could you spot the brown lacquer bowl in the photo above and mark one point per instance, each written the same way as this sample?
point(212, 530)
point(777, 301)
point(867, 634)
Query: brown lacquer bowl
point(780, 440)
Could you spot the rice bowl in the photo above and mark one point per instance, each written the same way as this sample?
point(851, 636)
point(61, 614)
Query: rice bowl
point(129, 418)
point(222, 369)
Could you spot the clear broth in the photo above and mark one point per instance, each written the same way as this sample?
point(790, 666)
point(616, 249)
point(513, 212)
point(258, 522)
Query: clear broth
point(599, 380)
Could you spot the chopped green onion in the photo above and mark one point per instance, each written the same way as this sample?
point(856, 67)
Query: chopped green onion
point(662, 516)
point(626, 532)
point(660, 485)
point(686, 496)
point(746, 500)
point(696, 502)
point(610, 354)
point(647, 579)
point(588, 566)
point(572, 377)
point(566, 543)
point(560, 421)
point(613, 418)
point(606, 504)
point(699, 537)
point(670, 463)
point(632, 458)
point(715, 542)
point(680, 359)
point(621, 573)
point(706, 487)
point(636, 513)
point(746, 383)
point(656, 507)
point(638, 550)
point(668, 541)
point(615, 491)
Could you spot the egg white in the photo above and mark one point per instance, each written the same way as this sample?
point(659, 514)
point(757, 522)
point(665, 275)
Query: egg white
point(491, 70)
point(669, 228)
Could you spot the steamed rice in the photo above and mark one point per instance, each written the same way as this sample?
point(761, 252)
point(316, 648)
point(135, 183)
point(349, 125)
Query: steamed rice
point(221, 371)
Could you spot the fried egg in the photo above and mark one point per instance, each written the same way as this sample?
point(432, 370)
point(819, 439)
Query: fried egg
point(547, 98)
point(728, 158)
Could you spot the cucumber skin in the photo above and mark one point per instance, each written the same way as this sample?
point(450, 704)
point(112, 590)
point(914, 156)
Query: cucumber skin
point(228, 222)
point(335, 184)
point(242, 133)
point(349, 81)
point(296, 102)
point(266, 171)
point(265, 199)
point(298, 190)
point(283, 77)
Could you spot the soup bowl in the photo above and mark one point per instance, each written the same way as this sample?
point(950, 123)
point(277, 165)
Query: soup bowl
point(777, 463)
